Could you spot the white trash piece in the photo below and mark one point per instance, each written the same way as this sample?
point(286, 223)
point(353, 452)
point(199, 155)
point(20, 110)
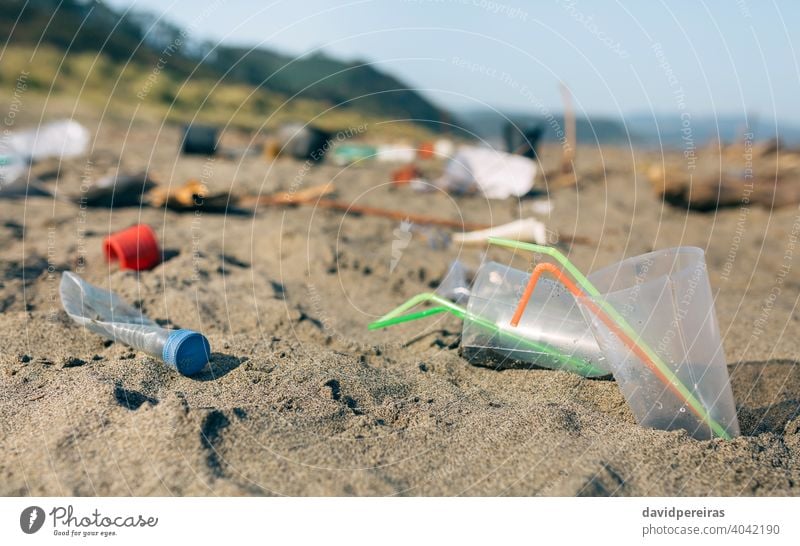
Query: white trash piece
point(496, 174)
point(396, 153)
point(61, 139)
point(528, 230)
point(106, 314)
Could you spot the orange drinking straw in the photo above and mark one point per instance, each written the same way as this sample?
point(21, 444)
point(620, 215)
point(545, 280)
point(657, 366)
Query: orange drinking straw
point(631, 344)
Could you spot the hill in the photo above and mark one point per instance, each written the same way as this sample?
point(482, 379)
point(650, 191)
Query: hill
point(67, 43)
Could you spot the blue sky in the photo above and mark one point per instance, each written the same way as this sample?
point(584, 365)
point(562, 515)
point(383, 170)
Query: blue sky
point(701, 57)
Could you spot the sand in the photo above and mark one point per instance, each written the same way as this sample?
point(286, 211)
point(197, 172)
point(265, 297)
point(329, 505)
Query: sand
point(300, 399)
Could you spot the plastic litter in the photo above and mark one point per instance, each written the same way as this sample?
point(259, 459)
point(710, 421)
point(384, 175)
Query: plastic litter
point(426, 150)
point(134, 248)
point(495, 174)
point(23, 189)
point(406, 174)
point(12, 166)
point(199, 139)
point(666, 297)
point(556, 336)
point(118, 190)
point(59, 139)
point(106, 314)
point(455, 285)
point(561, 337)
point(526, 229)
point(192, 195)
point(662, 300)
point(524, 142)
point(542, 206)
point(302, 141)
point(347, 154)
point(396, 153)
point(444, 148)
point(657, 326)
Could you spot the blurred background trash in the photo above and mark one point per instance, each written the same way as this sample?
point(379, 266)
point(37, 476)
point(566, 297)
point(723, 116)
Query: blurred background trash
point(406, 174)
point(301, 141)
point(117, 190)
point(57, 139)
point(12, 166)
point(524, 142)
point(494, 174)
point(349, 153)
point(199, 139)
point(396, 153)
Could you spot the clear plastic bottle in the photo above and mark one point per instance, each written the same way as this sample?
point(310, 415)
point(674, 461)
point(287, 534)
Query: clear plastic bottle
point(106, 314)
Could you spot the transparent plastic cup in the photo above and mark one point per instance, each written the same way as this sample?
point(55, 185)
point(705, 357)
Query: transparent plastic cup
point(665, 297)
point(552, 333)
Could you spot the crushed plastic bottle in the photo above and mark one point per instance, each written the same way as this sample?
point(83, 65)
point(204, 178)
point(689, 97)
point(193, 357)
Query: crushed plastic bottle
point(106, 314)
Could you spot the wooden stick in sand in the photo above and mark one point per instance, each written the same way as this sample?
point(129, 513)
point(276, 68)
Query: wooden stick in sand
point(569, 148)
point(313, 196)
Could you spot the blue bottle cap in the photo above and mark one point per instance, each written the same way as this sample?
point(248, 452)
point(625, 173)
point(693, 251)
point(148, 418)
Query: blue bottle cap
point(187, 351)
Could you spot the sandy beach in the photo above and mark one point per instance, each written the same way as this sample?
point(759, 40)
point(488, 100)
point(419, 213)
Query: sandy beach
point(301, 399)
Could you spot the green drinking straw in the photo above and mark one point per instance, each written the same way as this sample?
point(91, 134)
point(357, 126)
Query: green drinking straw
point(396, 316)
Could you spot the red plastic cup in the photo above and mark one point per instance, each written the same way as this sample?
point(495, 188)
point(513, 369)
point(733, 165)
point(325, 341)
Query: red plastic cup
point(135, 248)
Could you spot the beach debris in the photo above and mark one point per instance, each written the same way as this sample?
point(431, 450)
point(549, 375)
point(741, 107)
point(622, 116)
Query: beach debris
point(406, 174)
point(106, 314)
point(494, 174)
point(436, 237)
point(396, 153)
point(554, 336)
point(394, 214)
point(647, 314)
point(134, 248)
point(455, 285)
point(21, 188)
point(117, 190)
point(12, 166)
point(525, 229)
point(444, 148)
point(192, 195)
point(199, 139)
point(524, 142)
point(730, 188)
point(347, 154)
point(195, 195)
point(58, 139)
point(666, 298)
point(299, 140)
point(568, 323)
point(542, 206)
point(426, 150)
